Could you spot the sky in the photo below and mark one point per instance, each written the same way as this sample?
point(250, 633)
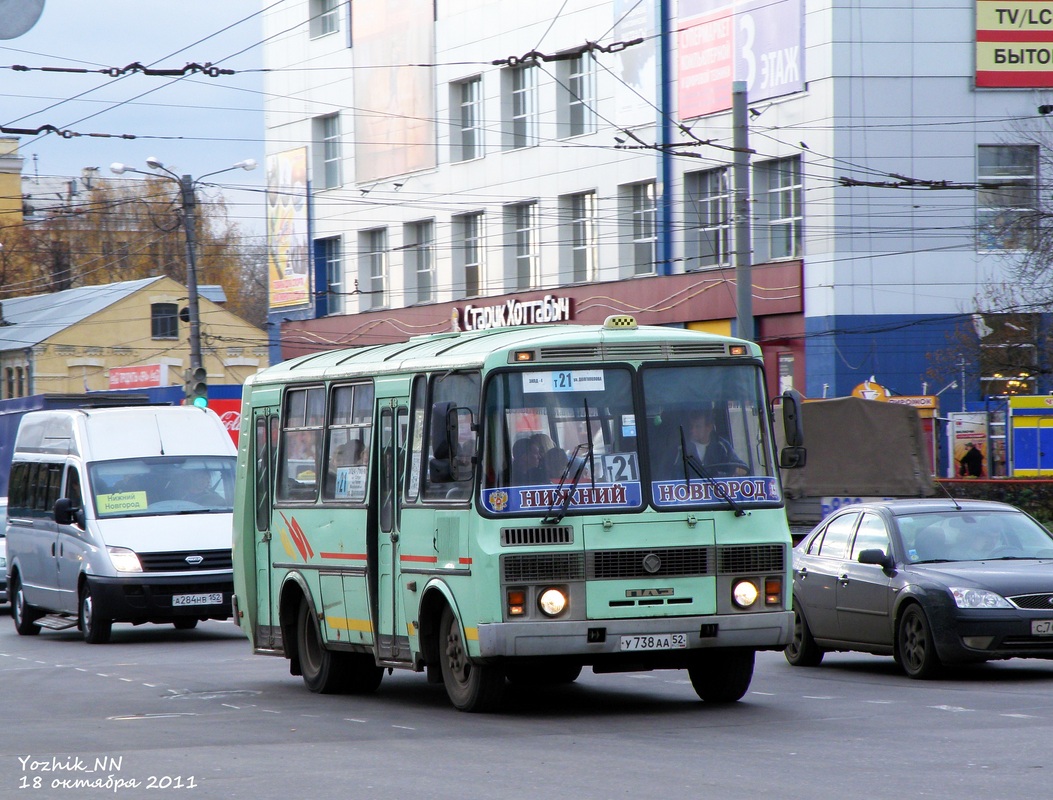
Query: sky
point(194, 125)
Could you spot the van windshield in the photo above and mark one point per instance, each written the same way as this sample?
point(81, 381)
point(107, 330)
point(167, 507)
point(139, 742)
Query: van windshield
point(132, 487)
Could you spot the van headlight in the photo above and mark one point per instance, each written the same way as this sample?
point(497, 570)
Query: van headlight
point(124, 560)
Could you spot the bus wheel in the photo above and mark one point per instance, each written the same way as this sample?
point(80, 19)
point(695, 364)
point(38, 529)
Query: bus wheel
point(321, 671)
point(721, 676)
point(22, 613)
point(471, 687)
point(362, 675)
point(95, 627)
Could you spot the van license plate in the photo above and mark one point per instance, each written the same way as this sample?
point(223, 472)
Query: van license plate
point(655, 641)
point(210, 599)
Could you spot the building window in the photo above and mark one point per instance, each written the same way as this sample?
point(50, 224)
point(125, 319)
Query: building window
point(521, 226)
point(420, 261)
point(466, 100)
point(577, 90)
point(327, 145)
point(9, 374)
point(581, 209)
point(707, 204)
point(329, 250)
point(374, 270)
point(644, 210)
point(468, 253)
point(777, 190)
point(521, 119)
point(1007, 200)
point(325, 17)
point(164, 321)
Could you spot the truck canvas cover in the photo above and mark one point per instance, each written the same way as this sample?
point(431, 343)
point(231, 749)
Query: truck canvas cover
point(861, 447)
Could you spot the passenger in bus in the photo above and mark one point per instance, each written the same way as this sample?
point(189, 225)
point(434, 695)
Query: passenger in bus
point(526, 462)
point(555, 464)
point(703, 446)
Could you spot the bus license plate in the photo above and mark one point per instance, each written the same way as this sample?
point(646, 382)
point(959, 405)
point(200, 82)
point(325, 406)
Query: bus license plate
point(656, 641)
point(210, 599)
point(1042, 627)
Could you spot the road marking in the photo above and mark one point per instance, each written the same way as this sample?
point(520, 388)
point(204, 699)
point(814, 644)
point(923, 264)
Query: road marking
point(404, 727)
point(819, 697)
point(352, 719)
point(954, 709)
point(1018, 716)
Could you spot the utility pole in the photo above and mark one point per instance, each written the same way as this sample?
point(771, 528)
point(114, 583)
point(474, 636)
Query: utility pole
point(740, 178)
point(189, 202)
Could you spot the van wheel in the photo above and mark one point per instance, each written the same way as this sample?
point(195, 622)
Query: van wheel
point(22, 613)
point(95, 627)
point(184, 624)
point(470, 686)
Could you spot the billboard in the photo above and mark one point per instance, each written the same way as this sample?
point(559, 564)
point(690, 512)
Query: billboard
point(394, 114)
point(288, 265)
point(760, 42)
point(1014, 44)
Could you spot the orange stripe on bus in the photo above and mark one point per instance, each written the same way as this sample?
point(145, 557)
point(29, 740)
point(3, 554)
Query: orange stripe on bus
point(422, 559)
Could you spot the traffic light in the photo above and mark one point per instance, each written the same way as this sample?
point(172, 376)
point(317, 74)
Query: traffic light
point(197, 387)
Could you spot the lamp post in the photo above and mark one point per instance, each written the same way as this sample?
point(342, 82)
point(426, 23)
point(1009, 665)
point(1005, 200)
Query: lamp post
point(188, 203)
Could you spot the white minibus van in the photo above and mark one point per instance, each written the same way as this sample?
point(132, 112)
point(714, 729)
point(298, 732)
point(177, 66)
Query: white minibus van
point(120, 515)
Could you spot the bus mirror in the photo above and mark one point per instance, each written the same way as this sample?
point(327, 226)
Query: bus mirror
point(792, 424)
point(792, 457)
point(463, 449)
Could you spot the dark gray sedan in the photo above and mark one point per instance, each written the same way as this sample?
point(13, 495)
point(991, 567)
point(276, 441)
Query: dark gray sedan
point(930, 582)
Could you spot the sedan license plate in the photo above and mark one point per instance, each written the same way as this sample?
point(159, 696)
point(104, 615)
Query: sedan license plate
point(210, 599)
point(1042, 627)
point(654, 641)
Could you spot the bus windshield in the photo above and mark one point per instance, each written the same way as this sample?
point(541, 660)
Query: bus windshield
point(162, 485)
point(579, 440)
point(708, 436)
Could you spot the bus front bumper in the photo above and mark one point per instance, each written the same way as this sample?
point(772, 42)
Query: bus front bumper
point(771, 630)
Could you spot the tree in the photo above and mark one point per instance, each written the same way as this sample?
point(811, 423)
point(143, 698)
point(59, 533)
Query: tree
point(126, 230)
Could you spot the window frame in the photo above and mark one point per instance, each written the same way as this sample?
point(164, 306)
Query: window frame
point(164, 325)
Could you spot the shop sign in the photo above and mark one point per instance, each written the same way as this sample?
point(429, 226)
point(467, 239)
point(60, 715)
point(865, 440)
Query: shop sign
point(513, 313)
point(140, 377)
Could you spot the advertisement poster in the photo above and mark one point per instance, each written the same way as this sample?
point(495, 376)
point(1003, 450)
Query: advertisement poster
point(968, 445)
point(721, 41)
point(394, 110)
point(288, 265)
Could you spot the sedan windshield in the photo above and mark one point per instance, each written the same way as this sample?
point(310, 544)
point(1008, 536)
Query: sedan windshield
point(162, 485)
point(973, 536)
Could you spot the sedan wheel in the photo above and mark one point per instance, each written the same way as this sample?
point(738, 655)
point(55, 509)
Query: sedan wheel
point(802, 651)
point(915, 649)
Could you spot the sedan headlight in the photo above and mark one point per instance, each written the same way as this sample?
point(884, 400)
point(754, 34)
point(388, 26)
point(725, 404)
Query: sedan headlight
point(124, 560)
point(978, 598)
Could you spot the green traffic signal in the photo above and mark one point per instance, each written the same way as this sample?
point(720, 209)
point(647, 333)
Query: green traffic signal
point(197, 388)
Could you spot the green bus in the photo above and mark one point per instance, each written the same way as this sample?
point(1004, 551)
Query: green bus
point(508, 506)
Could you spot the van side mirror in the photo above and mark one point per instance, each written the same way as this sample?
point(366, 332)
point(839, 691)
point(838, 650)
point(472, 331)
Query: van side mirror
point(68, 514)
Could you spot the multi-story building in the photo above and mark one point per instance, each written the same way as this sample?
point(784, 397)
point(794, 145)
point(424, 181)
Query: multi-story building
point(476, 163)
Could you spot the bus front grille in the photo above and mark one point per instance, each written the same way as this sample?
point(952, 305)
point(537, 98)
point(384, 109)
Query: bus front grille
point(752, 558)
point(535, 567)
point(536, 535)
point(648, 563)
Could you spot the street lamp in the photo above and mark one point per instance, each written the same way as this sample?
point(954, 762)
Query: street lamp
point(188, 202)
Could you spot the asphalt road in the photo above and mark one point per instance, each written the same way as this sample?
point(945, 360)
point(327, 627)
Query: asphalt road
point(162, 713)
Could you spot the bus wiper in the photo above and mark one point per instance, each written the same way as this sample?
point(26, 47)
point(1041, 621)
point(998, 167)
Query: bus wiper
point(568, 493)
point(696, 466)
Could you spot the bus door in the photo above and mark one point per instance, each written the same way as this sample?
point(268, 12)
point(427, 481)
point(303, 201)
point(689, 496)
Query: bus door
point(392, 636)
point(265, 448)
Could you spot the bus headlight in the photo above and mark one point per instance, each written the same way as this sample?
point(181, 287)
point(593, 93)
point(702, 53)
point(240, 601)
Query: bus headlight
point(745, 594)
point(552, 602)
point(124, 560)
